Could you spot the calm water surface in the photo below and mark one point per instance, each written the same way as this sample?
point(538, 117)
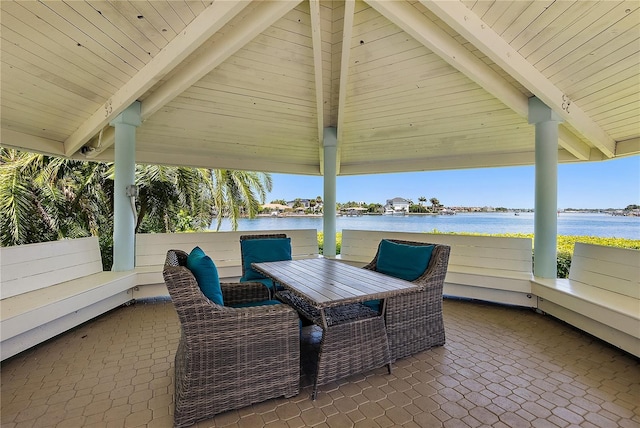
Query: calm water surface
point(603, 225)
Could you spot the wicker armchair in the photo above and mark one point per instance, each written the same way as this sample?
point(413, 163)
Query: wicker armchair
point(226, 356)
point(414, 321)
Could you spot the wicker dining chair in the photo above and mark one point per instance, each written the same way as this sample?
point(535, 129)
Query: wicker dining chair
point(414, 320)
point(273, 288)
point(226, 356)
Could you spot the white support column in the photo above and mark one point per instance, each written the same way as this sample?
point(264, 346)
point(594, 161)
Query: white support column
point(546, 192)
point(330, 147)
point(124, 217)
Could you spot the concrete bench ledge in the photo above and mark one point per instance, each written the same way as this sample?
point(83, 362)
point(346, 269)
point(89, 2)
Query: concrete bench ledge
point(601, 295)
point(50, 287)
point(496, 269)
point(222, 247)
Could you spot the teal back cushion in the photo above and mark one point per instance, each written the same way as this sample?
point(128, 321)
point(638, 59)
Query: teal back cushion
point(403, 261)
point(206, 275)
point(263, 250)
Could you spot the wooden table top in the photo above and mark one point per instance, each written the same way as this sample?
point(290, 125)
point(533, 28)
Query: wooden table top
point(325, 282)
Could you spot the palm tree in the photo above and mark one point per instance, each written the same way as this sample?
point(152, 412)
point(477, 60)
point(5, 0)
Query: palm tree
point(435, 203)
point(44, 198)
point(173, 199)
point(234, 191)
point(422, 200)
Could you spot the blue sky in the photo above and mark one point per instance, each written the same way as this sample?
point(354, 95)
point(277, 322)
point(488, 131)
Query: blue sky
point(608, 184)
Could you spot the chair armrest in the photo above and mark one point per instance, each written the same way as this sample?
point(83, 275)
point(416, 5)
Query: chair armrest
point(371, 265)
point(210, 322)
point(437, 269)
point(235, 293)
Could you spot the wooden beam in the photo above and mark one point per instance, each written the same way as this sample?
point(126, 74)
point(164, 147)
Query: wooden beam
point(262, 17)
point(628, 147)
point(438, 41)
point(316, 30)
point(238, 162)
point(20, 141)
point(489, 160)
point(349, 8)
point(571, 143)
point(316, 38)
point(197, 32)
point(471, 27)
point(450, 50)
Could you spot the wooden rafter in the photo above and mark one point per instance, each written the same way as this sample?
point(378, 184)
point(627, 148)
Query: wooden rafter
point(261, 18)
point(450, 50)
point(196, 33)
point(471, 27)
point(349, 9)
point(316, 36)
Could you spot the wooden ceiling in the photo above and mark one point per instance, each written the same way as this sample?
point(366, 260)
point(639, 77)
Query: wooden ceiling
point(409, 85)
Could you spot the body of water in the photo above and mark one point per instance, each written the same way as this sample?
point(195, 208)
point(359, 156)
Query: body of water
point(603, 225)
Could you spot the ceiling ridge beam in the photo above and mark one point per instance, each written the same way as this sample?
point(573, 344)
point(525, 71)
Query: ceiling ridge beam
point(316, 39)
point(197, 32)
point(349, 10)
point(450, 50)
point(471, 27)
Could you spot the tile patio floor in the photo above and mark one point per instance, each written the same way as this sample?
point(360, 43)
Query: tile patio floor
point(501, 367)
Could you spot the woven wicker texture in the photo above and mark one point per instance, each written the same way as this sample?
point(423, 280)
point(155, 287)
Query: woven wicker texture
point(414, 321)
point(353, 339)
point(226, 356)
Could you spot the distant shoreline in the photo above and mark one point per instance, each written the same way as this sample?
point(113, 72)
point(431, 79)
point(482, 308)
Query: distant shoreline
point(569, 223)
point(608, 211)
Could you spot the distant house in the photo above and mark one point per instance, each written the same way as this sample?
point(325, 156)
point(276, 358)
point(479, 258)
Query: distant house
point(306, 203)
point(397, 205)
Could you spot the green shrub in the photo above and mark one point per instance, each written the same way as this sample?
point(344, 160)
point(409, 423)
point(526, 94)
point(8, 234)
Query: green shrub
point(321, 242)
point(564, 263)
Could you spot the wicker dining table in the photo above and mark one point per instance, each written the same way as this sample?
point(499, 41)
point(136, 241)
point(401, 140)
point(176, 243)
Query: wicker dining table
point(332, 294)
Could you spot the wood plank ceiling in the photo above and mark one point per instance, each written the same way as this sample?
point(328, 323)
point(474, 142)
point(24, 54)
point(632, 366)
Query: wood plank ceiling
point(409, 85)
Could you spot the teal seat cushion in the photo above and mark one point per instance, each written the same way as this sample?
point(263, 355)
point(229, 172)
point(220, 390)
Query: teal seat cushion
point(258, 303)
point(206, 274)
point(403, 261)
point(263, 250)
point(373, 304)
